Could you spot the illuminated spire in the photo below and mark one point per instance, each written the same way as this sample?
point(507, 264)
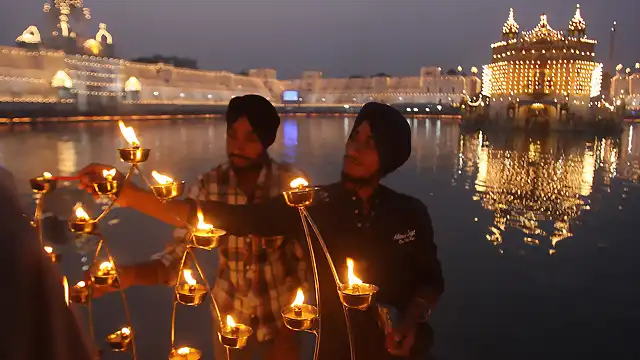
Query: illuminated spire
point(577, 23)
point(511, 26)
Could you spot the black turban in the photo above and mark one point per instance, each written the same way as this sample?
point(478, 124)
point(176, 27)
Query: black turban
point(262, 116)
point(391, 132)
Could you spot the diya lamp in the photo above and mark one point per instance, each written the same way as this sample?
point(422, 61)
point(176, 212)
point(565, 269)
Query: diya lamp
point(190, 292)
point(82, 222)
point(234, 335)
point(108, 186)
point(55, 257)
point(185, 353)
point(356, 294)
point(44, 183)
point(104, 274)
point(79, 293)
point(299, 316)
point(120, 340)
point(134, 154)
point(205, 236)
point(167, 188)
point(301, 194)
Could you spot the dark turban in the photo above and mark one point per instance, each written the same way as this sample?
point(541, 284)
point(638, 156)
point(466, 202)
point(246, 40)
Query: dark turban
point(262, 116)
point(391, 132)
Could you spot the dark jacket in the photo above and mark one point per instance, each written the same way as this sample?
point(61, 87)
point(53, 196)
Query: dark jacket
point(392, 247)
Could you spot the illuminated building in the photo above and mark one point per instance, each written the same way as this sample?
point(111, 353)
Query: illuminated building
point(543, 75)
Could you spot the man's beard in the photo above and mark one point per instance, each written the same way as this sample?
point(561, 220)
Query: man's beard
point(360, 182)
point(252, 165)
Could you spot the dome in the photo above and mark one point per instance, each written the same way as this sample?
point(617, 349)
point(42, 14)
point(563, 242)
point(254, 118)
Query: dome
point(511, 26)
point(577, 23)
point(543, 31)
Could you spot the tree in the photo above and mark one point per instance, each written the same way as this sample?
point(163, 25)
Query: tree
point(381, 75)
point(172, 60)
point(452, 72)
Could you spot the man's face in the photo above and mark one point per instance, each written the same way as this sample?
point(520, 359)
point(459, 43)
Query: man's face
point(361, 160)
point(244, 148)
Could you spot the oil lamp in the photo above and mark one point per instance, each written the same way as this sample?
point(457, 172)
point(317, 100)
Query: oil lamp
point(108, 186)
point(299, 316)
point(167, 188)
point(234, 335)
point(185, 353)
point(135, 154)
point(190, 292)
point(44, 183)
point(65, 285)
point(119, 340)
point(79, 293)
point(301, 194)
point(82, 222)
point(55, 257)
point(104, 274)
point(206, 236)
point(356, 294)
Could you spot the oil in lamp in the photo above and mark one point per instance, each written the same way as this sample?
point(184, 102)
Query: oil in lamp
point(189, 292)
point(108, 186)
point(185, 353)
point(234, 335)
point(356, 294)
point(167, 188)
point(301, 194)
point(104, 274)
point(82, 222)
point(299, 316)
point(205, 236)
point(44, 183)
point(55, 257)
point(134, 154)
point(119, 340)
point(79, 293)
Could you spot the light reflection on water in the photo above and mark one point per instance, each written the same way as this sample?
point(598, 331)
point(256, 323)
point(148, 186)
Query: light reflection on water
point(537, 235)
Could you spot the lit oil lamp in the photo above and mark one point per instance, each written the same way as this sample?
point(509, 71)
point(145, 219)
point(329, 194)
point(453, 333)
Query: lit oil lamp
point(82, 222)
point(300, 316)
point(301, 194)
point(79, 293)
point(356, 294)
point(44, 183)
point(205, 236)
point(108, 186)
point(104, 274)
point(185, 353)
point(65, 285)
point(167, 188)
point(55, 257)
point(120, 340)
point(135, 154)
point(234, 335)
point(190, 292)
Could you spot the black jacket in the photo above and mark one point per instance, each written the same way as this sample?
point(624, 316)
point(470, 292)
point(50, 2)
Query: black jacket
point(392, 247)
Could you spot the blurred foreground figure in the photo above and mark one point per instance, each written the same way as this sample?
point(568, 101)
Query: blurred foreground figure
point(37, 324)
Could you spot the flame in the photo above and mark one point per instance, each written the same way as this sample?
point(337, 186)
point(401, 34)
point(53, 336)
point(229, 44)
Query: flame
point(230, 322)
point(125, 331)
point(80, 213)
point(81, 284)
point(129, 134)
point(106, 266)
point(188, 277)
point(353, 280)
point(299, 299)
point(47, 175)
point(161, 179)
point(184, 350)
point(109, 173)
point(201, 224)
point(48, 249)
point(298, 183)
point(65, 284)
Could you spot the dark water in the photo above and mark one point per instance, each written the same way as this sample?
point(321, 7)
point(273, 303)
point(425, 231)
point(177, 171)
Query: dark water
point(538, 237)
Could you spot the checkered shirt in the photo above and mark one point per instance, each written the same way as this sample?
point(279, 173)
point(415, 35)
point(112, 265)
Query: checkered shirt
point(257, 276)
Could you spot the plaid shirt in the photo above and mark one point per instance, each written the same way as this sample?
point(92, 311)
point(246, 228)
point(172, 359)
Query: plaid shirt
point(257, 277)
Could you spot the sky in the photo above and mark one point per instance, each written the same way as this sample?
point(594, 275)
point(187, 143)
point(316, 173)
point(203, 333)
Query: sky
point(338, 37)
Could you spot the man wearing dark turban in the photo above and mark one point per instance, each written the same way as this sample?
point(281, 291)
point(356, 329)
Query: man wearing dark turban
point(257, 276)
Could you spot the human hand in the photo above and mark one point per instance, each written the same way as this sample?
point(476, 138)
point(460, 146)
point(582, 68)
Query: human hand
point(400, 340)
point(93, 173)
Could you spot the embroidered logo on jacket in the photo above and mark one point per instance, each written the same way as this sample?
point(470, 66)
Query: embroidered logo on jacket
point(406, 237)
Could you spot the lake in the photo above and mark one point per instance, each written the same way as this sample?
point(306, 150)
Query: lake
point(538, 236)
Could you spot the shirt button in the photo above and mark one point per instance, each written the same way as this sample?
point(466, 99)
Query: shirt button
point(359, 225)
point(357, 211)
point(353, 198)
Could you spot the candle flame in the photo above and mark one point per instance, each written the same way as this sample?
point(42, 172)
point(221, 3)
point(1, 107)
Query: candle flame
point(183, 350)
point(125, 331)
point(188, 277)
point(81, 284)
point(106, 266)
point(109, 173)
point(230, 321)
point(299, 183)
point(161, 179)
point(65, 284)
point(129, 134)
point(48, 249)
point(80, 213)
point(299, 299)
point(353, 280)
point(47, 175)
point(201, 224)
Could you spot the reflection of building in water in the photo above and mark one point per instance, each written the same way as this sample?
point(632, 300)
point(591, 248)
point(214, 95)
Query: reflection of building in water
point(67, 161)
point(537, 187)
point(630, 154)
